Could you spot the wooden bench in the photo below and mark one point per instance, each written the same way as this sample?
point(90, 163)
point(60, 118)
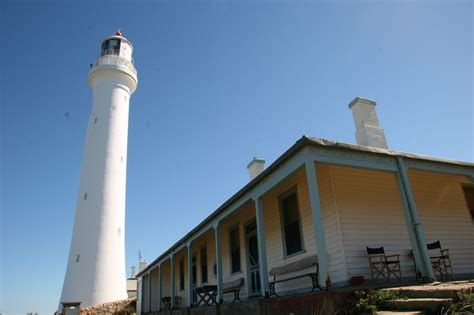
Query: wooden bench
point(295, 266)
point(234, 287)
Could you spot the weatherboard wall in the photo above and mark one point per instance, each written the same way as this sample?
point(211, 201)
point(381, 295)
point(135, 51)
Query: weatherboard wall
point(445, 216)
point(274, 239)
point(243, 216)
point(370, 214)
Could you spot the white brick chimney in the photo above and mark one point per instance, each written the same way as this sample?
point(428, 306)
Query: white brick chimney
point(142, 265)
point(368, 131)
point(255, 167)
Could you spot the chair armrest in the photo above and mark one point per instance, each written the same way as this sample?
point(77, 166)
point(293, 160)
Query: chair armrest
point(396, 255)
point(445, 252)
point(378, 259)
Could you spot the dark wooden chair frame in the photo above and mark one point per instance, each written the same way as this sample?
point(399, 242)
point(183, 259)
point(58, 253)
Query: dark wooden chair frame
point(295, 266)
point(206, 295)
point(383, 266)
point(166, 303)
point(441, 263)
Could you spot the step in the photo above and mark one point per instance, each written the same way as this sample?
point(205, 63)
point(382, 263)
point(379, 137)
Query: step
point(431, 293)
point(398, 313)
point(428, 304)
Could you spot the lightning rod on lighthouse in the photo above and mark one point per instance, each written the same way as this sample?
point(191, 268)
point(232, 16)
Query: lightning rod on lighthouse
point(96, 266)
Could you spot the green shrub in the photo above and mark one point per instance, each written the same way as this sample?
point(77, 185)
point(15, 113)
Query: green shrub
point(465, 305)
point(369, 301)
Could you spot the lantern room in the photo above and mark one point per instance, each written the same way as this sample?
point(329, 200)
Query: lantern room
point(117, 45)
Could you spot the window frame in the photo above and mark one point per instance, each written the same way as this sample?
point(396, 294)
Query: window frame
point(232, 228)
point(182, 280)
point(201, 248)
point(471, 211)
point(281, 197)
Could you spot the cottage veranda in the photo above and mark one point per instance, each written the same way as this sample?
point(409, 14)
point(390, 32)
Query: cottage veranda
point(328, 200)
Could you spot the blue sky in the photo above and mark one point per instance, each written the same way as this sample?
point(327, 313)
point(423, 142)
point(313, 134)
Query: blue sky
point(220, 82)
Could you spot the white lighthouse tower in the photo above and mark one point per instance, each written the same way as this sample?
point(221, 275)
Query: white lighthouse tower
point(96, 267)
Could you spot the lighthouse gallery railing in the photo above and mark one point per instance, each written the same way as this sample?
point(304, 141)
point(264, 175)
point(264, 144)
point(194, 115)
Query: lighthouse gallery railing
point(113, 60)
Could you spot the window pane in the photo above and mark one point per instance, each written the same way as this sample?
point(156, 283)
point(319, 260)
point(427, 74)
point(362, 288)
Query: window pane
point(293, 241)
point(235, 250)
point(204, 264)
point(469, 194)
point(194, 269)
point(290, 208)
point(291, 225)
point(181, 274)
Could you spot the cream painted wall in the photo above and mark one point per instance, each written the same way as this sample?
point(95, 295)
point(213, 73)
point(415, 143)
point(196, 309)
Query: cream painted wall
point(242, 217)
point(273, 229)
point(139, 296)
point(182, 255)
point(155, 277)
point(208, 240)
point(370, 214)
point(329, 205)
point(145, 305)
point(445, 216)
point(166, 282)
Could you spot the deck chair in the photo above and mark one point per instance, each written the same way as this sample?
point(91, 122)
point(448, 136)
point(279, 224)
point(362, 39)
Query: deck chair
point(383, 266)
point(440, 260)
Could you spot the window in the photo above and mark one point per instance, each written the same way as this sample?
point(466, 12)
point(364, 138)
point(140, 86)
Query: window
point(203, 264)
point(234, 249)
point(291, 223)
point(111, 47)
point(194, 269)
point(194, 277)
point(181, 274)
point(469, 195)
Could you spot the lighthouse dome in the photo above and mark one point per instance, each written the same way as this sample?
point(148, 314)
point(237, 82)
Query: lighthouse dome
point(117, 45)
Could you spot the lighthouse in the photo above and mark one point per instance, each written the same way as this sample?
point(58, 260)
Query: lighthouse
point(96, 266)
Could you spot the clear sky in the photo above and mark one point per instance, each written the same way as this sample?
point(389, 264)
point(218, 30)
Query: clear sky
point(219, 83)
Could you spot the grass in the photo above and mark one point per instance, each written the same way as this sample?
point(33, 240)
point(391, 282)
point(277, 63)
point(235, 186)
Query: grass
point(464, 306)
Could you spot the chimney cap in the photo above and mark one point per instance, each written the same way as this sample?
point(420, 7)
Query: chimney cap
point(255, 160)
point(364, 100)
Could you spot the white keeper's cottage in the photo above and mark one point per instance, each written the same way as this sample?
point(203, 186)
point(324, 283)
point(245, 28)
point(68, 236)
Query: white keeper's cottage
point(314, 211)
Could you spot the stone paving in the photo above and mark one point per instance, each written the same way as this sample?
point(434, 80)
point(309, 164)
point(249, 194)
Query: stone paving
point(462, 285)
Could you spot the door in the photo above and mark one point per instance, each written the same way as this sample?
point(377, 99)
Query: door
point(253, 271)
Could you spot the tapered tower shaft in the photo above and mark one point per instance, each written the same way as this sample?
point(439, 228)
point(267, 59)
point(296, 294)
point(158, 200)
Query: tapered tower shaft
point(96, 266)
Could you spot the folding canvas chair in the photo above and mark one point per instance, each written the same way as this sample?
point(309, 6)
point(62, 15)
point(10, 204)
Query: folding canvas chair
point(440, 260)
point(383, 266)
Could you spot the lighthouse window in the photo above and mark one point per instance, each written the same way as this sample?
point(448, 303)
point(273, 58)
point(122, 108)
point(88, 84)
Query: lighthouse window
point(111, 47)
point(77, 258)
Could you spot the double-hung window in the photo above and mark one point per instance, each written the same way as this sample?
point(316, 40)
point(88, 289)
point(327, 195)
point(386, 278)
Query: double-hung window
point(291, 223)
point(469, 195)
point(234, 249)
point(203, 253)
point(181, 274)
